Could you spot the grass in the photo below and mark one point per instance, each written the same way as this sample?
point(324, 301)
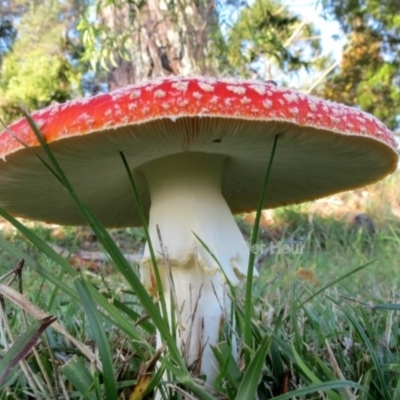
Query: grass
point(321, 323)
point(346, 333)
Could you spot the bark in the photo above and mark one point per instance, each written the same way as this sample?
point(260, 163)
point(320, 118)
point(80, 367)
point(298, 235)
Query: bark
point(160, 38)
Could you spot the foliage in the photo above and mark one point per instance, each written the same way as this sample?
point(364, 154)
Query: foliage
point(41, 66)
point(135, 40)
point(263, 39)
point(369, 74)
point(329, 330)
point(268, 41)
point(9, 12)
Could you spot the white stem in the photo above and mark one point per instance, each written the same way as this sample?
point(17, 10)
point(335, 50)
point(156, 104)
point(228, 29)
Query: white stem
point(186, 200)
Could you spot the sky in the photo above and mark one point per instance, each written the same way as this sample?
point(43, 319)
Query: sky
point(332, 38)
point(312, 10)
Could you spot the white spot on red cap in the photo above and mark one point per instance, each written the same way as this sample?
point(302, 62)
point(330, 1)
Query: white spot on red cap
point(245, 100)
point(64, 131)
point(313, 105)
point(25, 130)
point(165, 105)
point(53, 110)
point(135, 94)
point(206, 86)
point(117, 95)
point(294, 110)
point(40, 123)
point(335, 120)
point(267, 104)
point(84, 117)
point(291, 97)
point(260, 89)
point(181, 86)
point(159, 93)
point(183, 102)
point(132, 106)
point(310, 115)
point(197, 95)
point(150, 87)
point(335, 110)
point(117, 110)
point(214, 99)
point(237, 89)
point(228, 101)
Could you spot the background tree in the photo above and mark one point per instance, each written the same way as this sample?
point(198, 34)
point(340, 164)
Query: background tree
point(44, 58)
point(40, 65)
point(369, 73)
point(135, 40)
point(268, 41)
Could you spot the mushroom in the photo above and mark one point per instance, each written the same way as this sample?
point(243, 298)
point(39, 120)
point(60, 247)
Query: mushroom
point(198, 149)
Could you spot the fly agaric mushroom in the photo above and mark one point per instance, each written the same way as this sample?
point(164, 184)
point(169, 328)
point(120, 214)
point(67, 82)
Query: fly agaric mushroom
point(198, 149)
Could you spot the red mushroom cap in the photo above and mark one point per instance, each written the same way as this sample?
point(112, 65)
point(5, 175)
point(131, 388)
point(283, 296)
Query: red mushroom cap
point(323, 147)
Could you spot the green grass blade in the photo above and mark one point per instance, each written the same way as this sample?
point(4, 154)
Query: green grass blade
point(228, 368)
point(372, 352)
point(78, 374)
point(334, 282)
point(387, 306)
point(250, 270)
point(320, 387)
point(311, 376)
point(39, 243)
point(248, 385)
point(22, 346)
point(18, 254)
point(110, 385)
point(118, 318)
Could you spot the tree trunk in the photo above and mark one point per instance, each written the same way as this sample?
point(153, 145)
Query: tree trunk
point(160, 38)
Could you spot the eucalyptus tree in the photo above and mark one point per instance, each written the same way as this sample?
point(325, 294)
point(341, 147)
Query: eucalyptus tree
point(270, 41)
point(134, 40)
point(40, 65)
point(369, 73)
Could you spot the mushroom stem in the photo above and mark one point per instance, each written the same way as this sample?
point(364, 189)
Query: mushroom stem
point(186, 201)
